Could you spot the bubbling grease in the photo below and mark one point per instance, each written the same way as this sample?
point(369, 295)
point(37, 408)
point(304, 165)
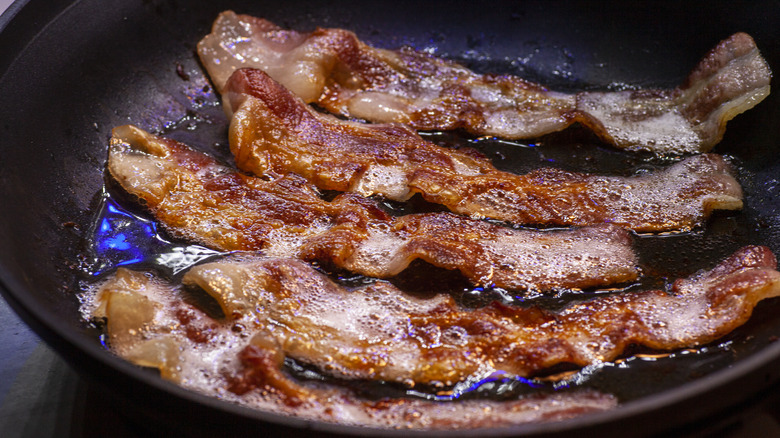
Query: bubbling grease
point(199, 199)
point(153, 323)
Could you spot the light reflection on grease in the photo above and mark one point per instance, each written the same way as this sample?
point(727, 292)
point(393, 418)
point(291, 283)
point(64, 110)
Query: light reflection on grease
point(120, 238)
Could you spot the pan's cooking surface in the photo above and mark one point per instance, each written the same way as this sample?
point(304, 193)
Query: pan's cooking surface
point(66, 87)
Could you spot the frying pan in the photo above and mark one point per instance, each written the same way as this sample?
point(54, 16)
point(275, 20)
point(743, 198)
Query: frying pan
point(72, 70)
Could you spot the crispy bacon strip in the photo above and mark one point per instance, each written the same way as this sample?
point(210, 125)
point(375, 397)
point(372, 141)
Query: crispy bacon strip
point(273, 131)
point(197, 198)
point(342, 74)
point(150, 324)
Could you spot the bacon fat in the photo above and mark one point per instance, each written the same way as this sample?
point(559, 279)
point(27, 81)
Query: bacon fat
point(333, 68)
point(380, 333)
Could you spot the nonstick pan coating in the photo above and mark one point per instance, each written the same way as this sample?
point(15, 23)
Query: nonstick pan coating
point(70, 71)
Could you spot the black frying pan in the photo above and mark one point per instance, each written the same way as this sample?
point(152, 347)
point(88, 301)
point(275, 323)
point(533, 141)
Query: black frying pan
point(70, 71)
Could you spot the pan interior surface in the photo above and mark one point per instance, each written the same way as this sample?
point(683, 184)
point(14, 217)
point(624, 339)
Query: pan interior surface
point(65, 87)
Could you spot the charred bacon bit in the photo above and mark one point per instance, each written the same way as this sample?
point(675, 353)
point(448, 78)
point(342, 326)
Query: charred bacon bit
point(379, 333)
point(197, 198)
point(246, 368)
point(273, 131)
point(342, 74)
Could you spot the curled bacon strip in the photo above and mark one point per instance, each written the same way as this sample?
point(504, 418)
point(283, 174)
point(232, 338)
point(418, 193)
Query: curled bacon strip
point(197, 198)
point(273, 131)
point(333, 68)
point(150, 324)
point(379, 333)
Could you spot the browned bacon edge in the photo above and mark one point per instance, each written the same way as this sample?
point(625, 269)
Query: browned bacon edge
point(198, 199)
point(274, 132)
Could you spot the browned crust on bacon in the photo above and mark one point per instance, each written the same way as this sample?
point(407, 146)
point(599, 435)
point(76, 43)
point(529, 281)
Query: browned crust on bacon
point(479, 250)
point(274, 132)
point(197, 198)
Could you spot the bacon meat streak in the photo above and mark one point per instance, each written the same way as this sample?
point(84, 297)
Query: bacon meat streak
point(150, 324)
point(276, 308)
point(196, 198)
point(342, 74)
point(274, 132)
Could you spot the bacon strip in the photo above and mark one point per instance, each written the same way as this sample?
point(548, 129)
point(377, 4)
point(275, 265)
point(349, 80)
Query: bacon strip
point(196, 198)
point(287, 309)
point(273, 131)
point(333, 68)
point(379, 333)
point(277, 308)
point(150, 324)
